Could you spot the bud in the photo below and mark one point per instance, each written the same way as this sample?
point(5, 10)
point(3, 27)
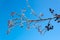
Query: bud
point(41, 14)
point(10, 23)
point(13, 13)
point(58, 21)
point(51, 10)
point(28, 28)
point(23, 14)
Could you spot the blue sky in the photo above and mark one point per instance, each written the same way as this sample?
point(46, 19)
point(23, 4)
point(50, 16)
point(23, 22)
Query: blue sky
point(8, 6)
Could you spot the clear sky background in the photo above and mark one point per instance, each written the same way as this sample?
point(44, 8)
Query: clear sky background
point(8, 6)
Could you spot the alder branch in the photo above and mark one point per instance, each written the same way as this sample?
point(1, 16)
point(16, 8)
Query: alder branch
point(13, 22)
